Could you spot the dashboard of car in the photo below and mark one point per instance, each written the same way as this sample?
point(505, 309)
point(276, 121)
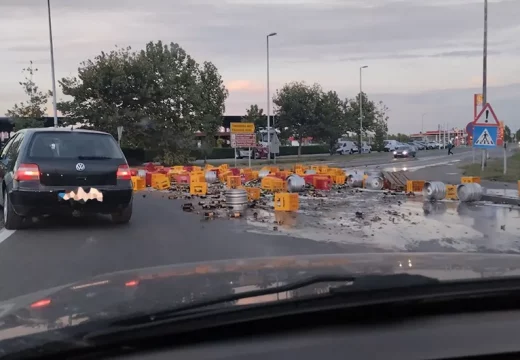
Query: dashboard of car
point(436, 337)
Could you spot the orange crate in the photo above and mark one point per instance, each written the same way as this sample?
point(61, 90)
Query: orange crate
point(200, 188)
point(451, 192)
point(414, 185)
point(272, 184)
point(233, 181)
point(222, 176)
point(160, 182)
point(286, 202)
point(196, 178)
point(253, 193)
point(339, 179)
point(470, 179)
point(138, 183)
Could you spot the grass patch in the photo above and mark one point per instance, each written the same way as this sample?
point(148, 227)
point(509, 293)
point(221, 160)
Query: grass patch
point(495, 169)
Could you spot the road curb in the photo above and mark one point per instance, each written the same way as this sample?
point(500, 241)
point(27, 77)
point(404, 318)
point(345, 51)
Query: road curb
point(497, 199)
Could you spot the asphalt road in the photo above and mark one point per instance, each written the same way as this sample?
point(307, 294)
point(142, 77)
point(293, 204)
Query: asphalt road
point(56, 251)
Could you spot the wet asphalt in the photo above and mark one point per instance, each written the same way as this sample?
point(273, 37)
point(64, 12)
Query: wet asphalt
point(56, 251)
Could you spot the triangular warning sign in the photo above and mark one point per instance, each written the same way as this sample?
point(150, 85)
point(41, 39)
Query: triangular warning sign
point(486, 117)
point(485, 139)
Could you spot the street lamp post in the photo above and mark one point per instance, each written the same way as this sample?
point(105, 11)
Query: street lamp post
point(268, 103)
point(52, 66)
point(422, 123)
point(361, 106)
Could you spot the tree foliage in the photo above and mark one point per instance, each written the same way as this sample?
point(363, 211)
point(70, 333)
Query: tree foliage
point(30, 113)
point(160, 95)
point(255, 115)
point(308, 111)
point(507, 134)
point(297, 106)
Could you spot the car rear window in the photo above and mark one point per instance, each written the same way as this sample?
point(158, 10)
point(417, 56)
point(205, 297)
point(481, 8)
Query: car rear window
point(74, 145)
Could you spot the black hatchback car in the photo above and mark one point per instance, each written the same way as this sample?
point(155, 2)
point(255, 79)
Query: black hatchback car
point(55, 170)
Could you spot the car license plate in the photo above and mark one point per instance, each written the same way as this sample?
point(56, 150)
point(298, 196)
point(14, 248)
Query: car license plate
point(82, 195)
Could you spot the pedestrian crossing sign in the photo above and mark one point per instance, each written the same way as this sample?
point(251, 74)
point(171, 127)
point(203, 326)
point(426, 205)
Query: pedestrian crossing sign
point(485, 137)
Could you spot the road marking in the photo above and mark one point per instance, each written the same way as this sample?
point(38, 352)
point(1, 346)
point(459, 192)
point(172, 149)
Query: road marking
point(4, 234)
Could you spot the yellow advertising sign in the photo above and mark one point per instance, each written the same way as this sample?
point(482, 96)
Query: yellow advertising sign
point(242, 128)
point(480, 99)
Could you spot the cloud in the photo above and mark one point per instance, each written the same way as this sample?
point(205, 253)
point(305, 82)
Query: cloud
point(244, 85)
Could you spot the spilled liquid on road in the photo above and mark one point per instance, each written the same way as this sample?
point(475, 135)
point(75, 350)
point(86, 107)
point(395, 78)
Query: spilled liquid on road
point(382, 221)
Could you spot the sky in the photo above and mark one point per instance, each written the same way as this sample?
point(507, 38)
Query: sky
point(424, 57)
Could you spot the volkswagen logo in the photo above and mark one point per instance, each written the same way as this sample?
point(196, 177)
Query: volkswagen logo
point(80, 166)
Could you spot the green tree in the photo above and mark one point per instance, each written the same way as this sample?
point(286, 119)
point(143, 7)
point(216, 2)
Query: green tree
point(296, 106)
point(212, 105)
point(331, 119)
point(30, 113)
point(380, 126)
point(255, 115)
point(352, 115)
point(507, 134)
point(160, 95)
point(517, 135)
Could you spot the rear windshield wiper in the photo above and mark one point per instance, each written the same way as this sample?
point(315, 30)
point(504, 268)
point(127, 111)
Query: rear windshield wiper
point(94, 158)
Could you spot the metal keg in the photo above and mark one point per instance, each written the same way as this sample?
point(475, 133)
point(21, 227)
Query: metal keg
point(434, 190)
point(295, 183)
point(310, 172)
point(374, 173)
point(469, 192)
point(263, 173)
point(374, 183)
point(211, 177)
point(355, 180)
point(236, 199)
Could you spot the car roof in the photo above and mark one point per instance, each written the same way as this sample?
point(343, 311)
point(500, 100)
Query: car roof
point(60, 130)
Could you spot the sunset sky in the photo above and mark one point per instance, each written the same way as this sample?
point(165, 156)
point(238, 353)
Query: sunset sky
point(423, 56)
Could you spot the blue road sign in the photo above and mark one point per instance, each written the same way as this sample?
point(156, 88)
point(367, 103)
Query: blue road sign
point(485, 137)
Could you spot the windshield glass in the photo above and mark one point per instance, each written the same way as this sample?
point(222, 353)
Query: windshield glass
point(73, 145)
point(137, 173)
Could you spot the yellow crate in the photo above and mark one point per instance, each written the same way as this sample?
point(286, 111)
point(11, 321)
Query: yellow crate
point(300, 172)
point(470, 179)
point(138, 183)
point(177, 168)
point(222, 176)
point(233, 182)
point(253, 193)
point(196, 168)
point(160, 181)
point(197, 178)
point(224, 167)
point(200, 188)
point(451, 192)
point(273, 169)
point(414, 185)
point(286, 202)
point(323, 169)
point(339, 179)
point(272, 184)
point(254, 175)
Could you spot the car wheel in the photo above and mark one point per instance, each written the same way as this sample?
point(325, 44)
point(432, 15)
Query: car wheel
point(12, 221)
point(124, 216)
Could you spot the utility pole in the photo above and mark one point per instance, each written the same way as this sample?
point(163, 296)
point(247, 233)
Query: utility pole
point(484, 73)
point(269, 104)
point(52, 66)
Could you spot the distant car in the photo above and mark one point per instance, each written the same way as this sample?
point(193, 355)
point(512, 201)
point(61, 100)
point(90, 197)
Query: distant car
point(405, 151)
point(56, 170)
point(346, 147)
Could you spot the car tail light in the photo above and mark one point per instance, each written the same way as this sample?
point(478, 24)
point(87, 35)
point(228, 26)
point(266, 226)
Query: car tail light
point(123, 173)
point(41, 303)
point(132, 283)
point(27, 172)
